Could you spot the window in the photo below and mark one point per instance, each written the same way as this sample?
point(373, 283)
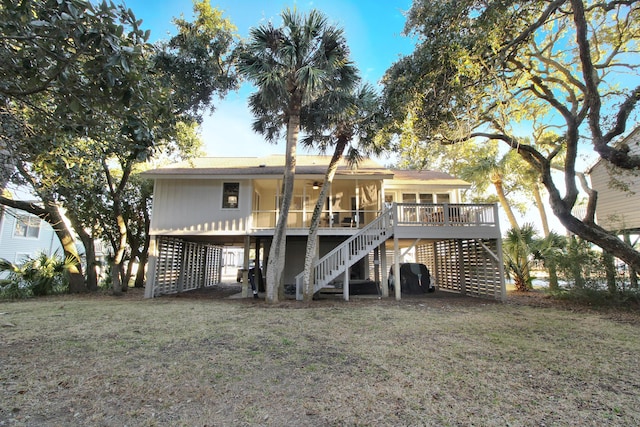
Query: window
point(27, 226)
point(443, 198)
point(408, 198)
point(425, 198)
point(299, 203)
point(230, 193)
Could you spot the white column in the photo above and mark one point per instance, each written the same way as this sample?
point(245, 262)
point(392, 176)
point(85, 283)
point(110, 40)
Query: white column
point(245, 267)
point(384, 277)
point(503, 287)
point(396, 267)
point(151, 267)
point(345, 285)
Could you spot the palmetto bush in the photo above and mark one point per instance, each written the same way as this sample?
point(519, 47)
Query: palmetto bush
point(518, 258)
point(40, 275)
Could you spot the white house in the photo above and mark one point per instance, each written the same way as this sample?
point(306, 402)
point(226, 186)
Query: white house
point(618, 191)
point(371, 216)
point(23, 235)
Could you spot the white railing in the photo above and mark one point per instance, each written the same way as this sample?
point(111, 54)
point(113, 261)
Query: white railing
point(348, 253)
point(449, 214)
point(265, 219)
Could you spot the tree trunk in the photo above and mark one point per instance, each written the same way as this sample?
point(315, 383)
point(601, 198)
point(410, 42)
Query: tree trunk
point(129, 271)
point(315, 219)
point(610, 271)
point(541, 210)
point(142, 266)
point(118, 257)
point(596, 235)
point(90, 254)
point(551, 266)
point(497, 183)
point(116, 282)
point(276, 262)
point(89, 251)
point(144, 255)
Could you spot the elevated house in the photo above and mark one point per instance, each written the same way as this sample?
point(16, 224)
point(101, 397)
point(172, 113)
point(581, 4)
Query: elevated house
point(618, 191)
point(371, 217)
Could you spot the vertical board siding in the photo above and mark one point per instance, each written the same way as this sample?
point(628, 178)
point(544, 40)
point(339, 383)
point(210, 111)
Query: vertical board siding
point(184, 266)
point(617, 209)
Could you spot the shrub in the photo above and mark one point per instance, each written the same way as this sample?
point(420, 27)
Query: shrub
point(40, 275)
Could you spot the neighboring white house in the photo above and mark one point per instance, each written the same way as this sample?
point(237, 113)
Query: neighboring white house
point(371, 216)
point(618, 191)
point(23, 235)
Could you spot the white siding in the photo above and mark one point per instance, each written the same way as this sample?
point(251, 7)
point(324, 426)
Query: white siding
point(14, 247)
point(617, 209)
point(195, 207)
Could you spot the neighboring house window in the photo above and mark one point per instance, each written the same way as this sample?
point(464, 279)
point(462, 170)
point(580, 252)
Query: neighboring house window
point(27, 226)
point(230, 194)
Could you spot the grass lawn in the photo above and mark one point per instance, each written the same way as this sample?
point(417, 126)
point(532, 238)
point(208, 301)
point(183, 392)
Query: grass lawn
point(203, 361)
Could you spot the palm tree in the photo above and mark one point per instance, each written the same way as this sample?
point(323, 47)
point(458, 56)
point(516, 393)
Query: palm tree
point(351, 116)
point(292, 66)
point(550, 250)
point(517, 250)
point(486, 167)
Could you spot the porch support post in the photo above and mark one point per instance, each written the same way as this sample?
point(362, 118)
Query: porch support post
point(245, 267)
point(376, 268)
point(257, 264)
point(151, 267)
point(503, 286)
point(461, 269)
point(436, 266)
point(385, 270)
point(396, 267)
point(345, 285)
point(356, 215)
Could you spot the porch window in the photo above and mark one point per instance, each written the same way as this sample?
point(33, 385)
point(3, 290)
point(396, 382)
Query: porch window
point(425, 198)
point(27, 226)
point(230, 194)
point(408, 198)
point(443, 198)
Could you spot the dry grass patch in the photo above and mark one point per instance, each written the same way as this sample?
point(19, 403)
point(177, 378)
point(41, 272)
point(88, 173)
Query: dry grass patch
point(198, 361)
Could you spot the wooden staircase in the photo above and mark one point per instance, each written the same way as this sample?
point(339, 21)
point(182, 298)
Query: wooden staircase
point(352, 250)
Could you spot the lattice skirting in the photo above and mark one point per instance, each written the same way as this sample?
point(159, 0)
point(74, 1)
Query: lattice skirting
point(183, 266)
point(463, 266)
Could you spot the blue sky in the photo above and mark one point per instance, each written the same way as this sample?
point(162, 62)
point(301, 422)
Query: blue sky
point(372, 29)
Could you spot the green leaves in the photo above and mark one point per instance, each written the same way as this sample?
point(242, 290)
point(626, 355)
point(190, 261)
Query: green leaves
point(294, 65)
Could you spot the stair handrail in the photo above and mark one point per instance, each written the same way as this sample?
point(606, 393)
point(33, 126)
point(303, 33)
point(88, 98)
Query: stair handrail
point(341, 254)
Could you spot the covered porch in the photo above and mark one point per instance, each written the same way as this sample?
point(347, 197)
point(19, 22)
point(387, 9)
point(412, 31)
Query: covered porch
point(351, 202)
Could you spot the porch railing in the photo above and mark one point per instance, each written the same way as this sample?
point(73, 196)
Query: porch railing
point(422, 214)
point(446, 214)
point(328, 219)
